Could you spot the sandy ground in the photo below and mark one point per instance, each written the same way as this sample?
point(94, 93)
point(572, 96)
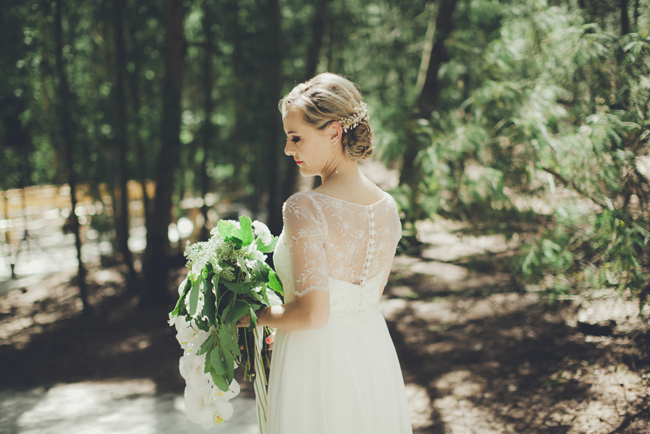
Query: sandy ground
point(479, 354)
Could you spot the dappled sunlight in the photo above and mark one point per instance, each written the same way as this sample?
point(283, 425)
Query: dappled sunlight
point(504, 362)
point(419, 405)
point(125, 407)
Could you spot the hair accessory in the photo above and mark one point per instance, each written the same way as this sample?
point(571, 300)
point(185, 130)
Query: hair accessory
point(351, 122)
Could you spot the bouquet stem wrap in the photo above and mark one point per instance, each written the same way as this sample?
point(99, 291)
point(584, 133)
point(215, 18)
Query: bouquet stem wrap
point(261, 394)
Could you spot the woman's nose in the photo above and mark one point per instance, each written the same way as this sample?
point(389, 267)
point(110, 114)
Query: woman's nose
point(288, 149)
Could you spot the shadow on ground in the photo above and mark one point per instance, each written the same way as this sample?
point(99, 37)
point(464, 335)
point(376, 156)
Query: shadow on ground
point(479, 354)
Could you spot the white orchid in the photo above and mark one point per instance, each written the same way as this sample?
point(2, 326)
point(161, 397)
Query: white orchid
point(192, 368)
point(207, 405)
point(189, 336)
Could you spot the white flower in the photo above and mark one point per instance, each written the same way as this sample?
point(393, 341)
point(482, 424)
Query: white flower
point(181, 287)
point(197, 405)
point(207, 405)
point(199, 304)
point(190, 336)
point(186, 364)
point(192, 369)
point(262, 232)
point(259, 256)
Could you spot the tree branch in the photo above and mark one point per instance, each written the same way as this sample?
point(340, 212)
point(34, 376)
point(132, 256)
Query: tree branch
point(572, 184)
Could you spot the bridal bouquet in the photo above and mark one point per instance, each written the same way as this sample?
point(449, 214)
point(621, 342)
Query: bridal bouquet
point(227, 279)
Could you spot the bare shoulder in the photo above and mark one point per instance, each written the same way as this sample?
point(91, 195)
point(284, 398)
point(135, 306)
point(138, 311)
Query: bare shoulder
point(363, 193)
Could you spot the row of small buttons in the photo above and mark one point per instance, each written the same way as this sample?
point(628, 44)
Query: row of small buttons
point(371, 245)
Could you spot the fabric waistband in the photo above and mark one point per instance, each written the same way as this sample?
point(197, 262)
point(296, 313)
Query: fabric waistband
point(352, 317)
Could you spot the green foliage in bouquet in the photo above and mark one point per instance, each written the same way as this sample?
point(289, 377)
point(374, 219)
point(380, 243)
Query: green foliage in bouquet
point(227, 279)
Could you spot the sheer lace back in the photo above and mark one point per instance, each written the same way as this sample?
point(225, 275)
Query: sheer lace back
point(332, 238)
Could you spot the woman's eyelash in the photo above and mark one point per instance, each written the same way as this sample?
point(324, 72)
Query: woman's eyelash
point(295, 139)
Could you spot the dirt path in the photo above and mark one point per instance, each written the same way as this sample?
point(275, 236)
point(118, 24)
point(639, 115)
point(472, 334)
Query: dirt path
point(479, 355)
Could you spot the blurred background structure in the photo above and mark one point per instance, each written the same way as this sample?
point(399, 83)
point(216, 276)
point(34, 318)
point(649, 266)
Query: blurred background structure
point(129, 127)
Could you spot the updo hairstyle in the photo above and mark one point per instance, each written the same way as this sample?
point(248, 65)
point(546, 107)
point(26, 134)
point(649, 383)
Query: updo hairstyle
point(327, 98)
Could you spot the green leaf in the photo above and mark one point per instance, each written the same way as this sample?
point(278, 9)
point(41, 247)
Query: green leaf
point(215, 285)
point(225, 228)
point(202, 324)
point(220, 381)
point(207, 271)
point(218, 361)
point(253, 321)
point(231, 286)
point(194, 295)
point(208, 362)
point(264, 295)
point(241, 308)
point(229, 362)
point(274, 283)
point(245, 231)
point(236, 241)
point(257, 296)
point(238, 287)
point(210, 302)
point(267, 248)
point(206, 346)
point(245, 287)
point(224, 302)
point(259, 272)
point(180, 305)
point(274, 299)
point(227, 340)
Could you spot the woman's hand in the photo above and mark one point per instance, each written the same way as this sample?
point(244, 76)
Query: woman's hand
point(245, 321)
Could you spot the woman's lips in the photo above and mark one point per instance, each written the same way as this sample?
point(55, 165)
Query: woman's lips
point(298, 162)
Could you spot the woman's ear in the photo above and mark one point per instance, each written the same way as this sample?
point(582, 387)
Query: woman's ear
point(336, 132)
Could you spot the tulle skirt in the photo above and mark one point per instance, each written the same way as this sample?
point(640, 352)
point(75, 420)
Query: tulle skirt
point(342, 379)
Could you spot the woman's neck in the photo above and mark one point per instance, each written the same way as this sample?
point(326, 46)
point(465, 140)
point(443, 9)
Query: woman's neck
point(341, 173)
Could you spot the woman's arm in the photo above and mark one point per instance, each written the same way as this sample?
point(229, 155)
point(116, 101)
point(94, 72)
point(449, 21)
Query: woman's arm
point(304, 233)
point(310, 311)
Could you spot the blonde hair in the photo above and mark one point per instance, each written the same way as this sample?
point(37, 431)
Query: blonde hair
point(327, 98)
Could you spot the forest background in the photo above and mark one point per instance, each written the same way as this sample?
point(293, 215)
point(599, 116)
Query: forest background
point(528, 118)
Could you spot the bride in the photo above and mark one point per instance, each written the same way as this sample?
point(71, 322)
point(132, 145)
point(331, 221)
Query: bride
point(334, 368)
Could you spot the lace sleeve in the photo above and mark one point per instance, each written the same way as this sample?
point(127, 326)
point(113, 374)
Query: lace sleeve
point(305, 232)
point(397, 236)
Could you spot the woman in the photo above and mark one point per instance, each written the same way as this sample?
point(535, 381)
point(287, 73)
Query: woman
point(334, 368)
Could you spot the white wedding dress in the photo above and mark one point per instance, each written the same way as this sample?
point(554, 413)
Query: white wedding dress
point(344, 378)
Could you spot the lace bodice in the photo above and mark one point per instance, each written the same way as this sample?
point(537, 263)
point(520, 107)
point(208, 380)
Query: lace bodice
point(326, 238)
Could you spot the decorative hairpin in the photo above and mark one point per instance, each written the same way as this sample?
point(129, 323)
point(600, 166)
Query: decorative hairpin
point(351, 122)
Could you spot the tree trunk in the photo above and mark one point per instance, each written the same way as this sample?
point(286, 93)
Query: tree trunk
point(119, 101)
point(318, 25)
point(157, 253)
point(208, 133)
point(625, 19)
point(134, 90)
point(274, 77)
point(440, 27)
point(240, 135)
point(67, 136)
point(313, 55)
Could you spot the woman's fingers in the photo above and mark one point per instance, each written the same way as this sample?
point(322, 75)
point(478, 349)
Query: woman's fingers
point(269, 340)
point(244, 321)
